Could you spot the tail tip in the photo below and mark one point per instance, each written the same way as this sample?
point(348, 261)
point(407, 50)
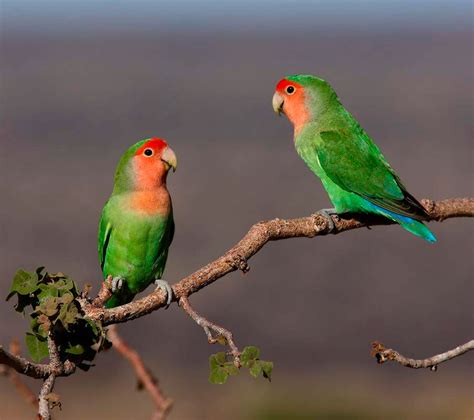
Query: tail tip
point(431, 238)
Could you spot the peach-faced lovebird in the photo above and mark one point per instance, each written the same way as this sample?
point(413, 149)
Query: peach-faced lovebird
point(136, 227)
point(351, 167)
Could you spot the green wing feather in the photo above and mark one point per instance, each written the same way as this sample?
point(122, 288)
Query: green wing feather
point(162, 255)
point(352, 161)
point(105, 231)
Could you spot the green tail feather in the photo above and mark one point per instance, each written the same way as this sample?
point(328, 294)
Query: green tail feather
point(418, 229)
point(413, 226)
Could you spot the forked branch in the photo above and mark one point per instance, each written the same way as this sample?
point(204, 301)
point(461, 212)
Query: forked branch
point(223, 336)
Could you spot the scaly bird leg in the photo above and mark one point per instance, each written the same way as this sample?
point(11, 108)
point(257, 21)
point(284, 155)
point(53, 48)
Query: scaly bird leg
point(164, 285)
point(326, 213)
point(117, 283)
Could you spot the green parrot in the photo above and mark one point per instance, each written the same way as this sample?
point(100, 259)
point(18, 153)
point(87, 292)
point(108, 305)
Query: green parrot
point(355, 174)
point(136, 228)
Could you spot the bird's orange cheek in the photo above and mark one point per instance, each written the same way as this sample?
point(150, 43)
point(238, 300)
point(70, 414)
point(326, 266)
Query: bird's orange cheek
point(150, 172)
point(296, 112)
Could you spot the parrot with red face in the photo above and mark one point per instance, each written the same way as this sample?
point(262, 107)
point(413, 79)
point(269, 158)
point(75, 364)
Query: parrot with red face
point(355, 174)
point(136, 227)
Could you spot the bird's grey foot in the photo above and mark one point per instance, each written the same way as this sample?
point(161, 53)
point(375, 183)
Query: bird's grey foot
point(164, 285)
point(327, 213)
point(117, 283)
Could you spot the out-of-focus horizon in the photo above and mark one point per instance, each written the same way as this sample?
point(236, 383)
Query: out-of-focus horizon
point(190, 15)
point(81, 81)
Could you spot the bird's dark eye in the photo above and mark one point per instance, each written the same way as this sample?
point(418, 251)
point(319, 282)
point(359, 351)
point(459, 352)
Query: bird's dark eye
point(290, 90)
point(148, 152)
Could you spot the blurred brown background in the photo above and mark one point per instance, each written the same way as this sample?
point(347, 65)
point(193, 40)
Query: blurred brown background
point(82, 81)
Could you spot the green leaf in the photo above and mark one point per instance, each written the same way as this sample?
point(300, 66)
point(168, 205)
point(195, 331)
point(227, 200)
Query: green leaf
point(35, 327)
point(68, 314)
point(220, 368)
point(76, 349)
point(38, 349)
point(63, 285)
point(230, 368)
point(49, 306)
point(24, 283)
point(47, 290)
point(57, 275)
point(218, 376)
point(217, 360)
point(256, 369)
point(249, 354)
point(267, 368)
point(66, 298)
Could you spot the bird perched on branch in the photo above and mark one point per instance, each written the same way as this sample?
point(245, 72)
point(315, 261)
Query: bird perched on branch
point(351, 167)
point(136, 227)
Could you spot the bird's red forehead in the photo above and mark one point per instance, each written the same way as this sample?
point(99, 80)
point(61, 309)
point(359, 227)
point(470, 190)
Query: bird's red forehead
point(283, 83)
point(154, 143)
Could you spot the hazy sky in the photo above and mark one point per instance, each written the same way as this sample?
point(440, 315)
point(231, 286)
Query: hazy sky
point(77, 15)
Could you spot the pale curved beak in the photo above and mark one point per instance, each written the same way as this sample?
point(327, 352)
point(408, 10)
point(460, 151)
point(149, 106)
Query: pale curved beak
point(169, 158)
point(277, 102)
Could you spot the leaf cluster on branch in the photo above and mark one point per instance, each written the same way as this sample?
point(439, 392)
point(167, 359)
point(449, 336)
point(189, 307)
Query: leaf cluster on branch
point(55, 308)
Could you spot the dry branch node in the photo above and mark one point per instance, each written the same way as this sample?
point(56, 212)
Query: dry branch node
point(223, 336)
point(383, 355)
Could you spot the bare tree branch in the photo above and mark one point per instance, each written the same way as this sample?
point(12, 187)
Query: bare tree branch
point(105, 292)
point(43, 403)
point(46, 399)
point(259, 234)
point(33, 370)
point(224, 336)
point(23, 366)
point(383, 355)
point(162, 404)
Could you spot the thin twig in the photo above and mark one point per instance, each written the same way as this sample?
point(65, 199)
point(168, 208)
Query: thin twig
point(43, 402)
point(259, 234)
point(209, 326)
point(383, 355)
point(48, 384)
point(162, 404)
point(46, 399)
